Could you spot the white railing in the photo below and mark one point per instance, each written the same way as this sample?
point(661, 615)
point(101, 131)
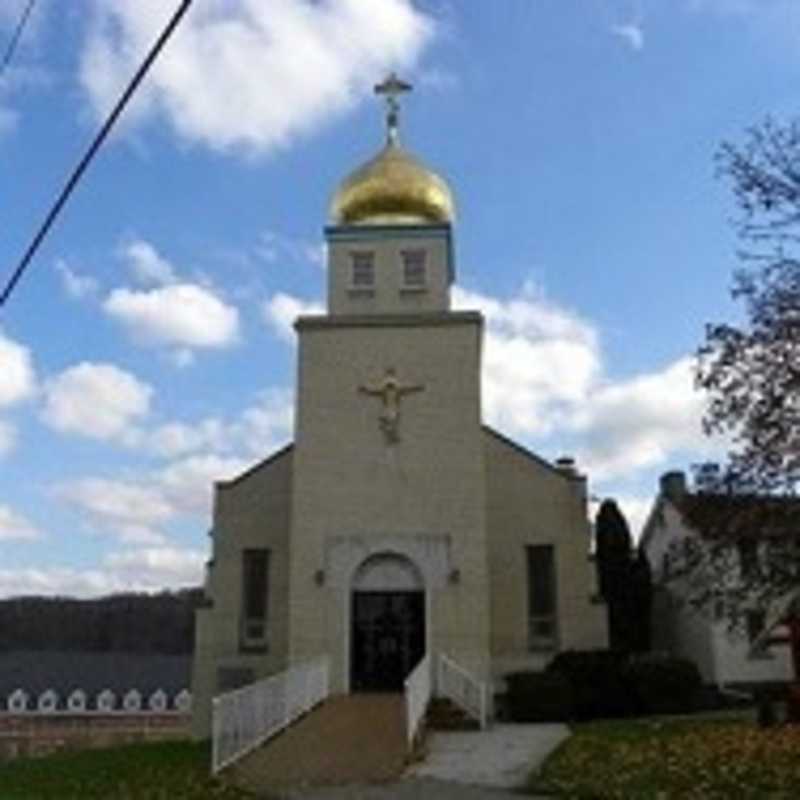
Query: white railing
point(245, 718)
point(417, 688)
point(467, 692)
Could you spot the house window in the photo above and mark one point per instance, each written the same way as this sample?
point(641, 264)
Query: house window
point(542, 628)
point(363, 270)
point(255, 588)
point(748, 558)
point(754, 620)
point(414, 275)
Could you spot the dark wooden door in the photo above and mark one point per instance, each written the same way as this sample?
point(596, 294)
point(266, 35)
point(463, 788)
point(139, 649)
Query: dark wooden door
point(388, 639)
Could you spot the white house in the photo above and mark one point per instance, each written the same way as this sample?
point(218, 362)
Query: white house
point(723, 656)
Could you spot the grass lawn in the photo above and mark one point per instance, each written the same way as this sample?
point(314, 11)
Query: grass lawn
point(153, 771)
point(666, 759)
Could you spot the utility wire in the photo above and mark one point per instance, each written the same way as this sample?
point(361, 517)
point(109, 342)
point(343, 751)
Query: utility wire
point(92, 151)
point(17, 35)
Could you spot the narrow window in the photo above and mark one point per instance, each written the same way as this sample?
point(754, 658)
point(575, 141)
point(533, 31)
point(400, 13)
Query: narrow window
point(363, 272)
point(255, 589)
point(542, 627)
point(414, 276)
point(754, 620)
point(748, 558)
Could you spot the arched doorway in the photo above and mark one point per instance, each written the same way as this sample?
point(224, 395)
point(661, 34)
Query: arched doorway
point(388, 623)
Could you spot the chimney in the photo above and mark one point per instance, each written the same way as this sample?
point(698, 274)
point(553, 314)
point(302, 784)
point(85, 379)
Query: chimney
point(673, 485)
point(566, 465)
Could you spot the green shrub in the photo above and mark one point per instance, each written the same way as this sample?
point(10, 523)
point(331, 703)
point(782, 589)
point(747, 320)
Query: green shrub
point(663, 684)
point(539, 697)
point(599, 682)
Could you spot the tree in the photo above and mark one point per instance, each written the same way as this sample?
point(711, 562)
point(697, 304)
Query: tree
point(746, 562)
point(623, 577)
point(751, 371)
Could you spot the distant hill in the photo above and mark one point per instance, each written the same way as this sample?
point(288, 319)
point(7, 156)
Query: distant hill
point(129, 623)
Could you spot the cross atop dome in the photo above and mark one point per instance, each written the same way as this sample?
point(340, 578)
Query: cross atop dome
point(391, 88)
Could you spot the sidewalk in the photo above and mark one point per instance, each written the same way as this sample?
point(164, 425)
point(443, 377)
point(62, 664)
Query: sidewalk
point(501, 757)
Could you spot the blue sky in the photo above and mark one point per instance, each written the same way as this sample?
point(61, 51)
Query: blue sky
point(149, 349)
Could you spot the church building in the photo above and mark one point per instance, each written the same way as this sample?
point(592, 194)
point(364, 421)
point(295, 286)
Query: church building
point(396, 523)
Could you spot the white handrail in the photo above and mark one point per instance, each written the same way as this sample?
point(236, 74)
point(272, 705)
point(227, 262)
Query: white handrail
point(418, 694)
point(245, 718)
point(466, 691)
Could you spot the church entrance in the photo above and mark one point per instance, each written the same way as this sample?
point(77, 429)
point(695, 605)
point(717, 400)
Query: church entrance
point(388, 639)
point(387, 635)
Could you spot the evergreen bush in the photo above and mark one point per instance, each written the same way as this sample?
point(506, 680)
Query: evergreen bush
point(598, 680)
point(539, 697)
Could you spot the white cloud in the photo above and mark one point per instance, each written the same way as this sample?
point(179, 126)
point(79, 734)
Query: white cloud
point(247, 75)
point(131, 511)
point(635, 509)
point(17, 377)
point(157, 567)
point(258, 430)
point(146, 569)
point(14, 526)
point(188, 483)
point(77, 286)
point(148, 266)
point(182, 315)
point(544, 374)
point(281, 310)
point(274, 248)
point(631, 33)
point(8, 438)
point(138, 510)
point(100, 401)
point(540, 360)
point(638, 423)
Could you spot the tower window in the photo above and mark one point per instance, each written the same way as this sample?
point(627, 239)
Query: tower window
point(255, 592)
point(414, 275)
point(542, 629)
point(363, 270)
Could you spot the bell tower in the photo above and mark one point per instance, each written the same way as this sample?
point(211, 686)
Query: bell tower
point(389, 455)
point(389, 241)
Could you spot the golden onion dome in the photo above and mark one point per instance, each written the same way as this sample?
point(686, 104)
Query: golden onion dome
point(393, 188)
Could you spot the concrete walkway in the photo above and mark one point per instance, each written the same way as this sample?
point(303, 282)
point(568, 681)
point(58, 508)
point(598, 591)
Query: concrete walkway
point(501, 757)
point(474, 765)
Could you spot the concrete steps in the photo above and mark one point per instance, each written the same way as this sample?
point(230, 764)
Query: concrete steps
point(444, 715)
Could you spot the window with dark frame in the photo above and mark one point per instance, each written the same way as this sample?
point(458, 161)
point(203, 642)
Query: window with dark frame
point(255, 593)
point(754, 620)
point(362, 275)
point(414, 273)
point(542, 622)
point(748, 558)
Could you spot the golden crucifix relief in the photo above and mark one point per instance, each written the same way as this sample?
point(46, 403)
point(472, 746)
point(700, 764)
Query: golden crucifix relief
point(390, 391)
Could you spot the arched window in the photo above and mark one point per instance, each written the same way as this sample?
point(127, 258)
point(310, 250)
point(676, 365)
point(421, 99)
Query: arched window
point(77, 700)
point(17, 702)
point(183, 701)
point(106, 700)
point(47, 702)
point(132, 701)
point(157, 701)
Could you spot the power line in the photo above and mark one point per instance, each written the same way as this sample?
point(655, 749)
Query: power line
point(17, 35)
point(92, 151)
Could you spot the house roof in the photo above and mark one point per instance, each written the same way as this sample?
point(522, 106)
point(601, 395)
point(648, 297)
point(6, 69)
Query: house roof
point(740, 515)
point(37, 671)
